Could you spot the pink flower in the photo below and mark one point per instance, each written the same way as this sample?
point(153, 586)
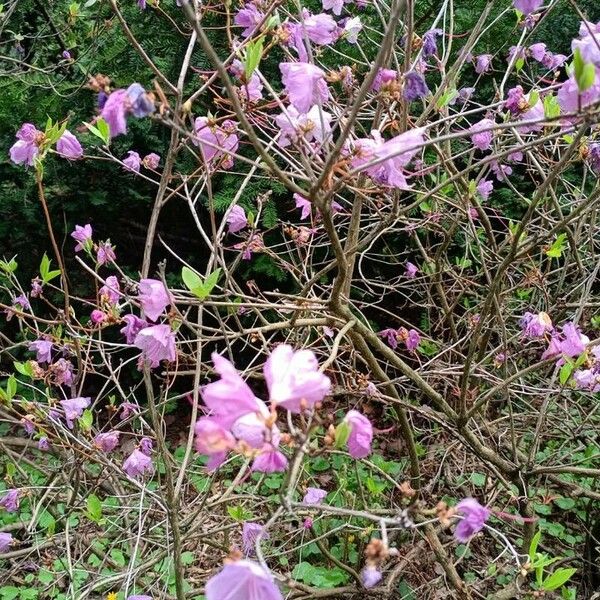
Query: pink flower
point(535, 325)
point(391, 336)
point(132, 162)
point(137, 464)
point(107, 442)
point(538, 51)
point(6, 539)
point(10, 501)
point(63, 372)
point(410, 337)
point(74, 409)
point(335, 6)
point(252, 429)
point(153, 297)
point(36, 288)
point(216, 141)
point(571, 100)
point(314, 496)
point(105, 253)
point(588, 46)
point(574, 342)
point(157, 343)
point(250, 533)
point(294, 380)
point(361, 434)
point(250, 90)
point(229, 398)
point(527, 6)
point(213, 440)
point(482, 134)
point(270, 461)
point(43, 444)
point(43, 349)
point(83, 237)
point(587, 379)
point(485, 188)
point(133, 325)
point(321, 29)
point(98, 317)
point(410, 270)
point(114, 112)
point(313, 126)
point(242, 580)
point(146, 446)
point(25, 149)
point(383, 78)
point(370, 576)
point(304, 205)
point(68, 146)
point(352, 28)
point(151, 161)
point(483, 63)
point(304, 84)
point(474, 517)
point(110, 292)
point(236, 219)
point(249, 17)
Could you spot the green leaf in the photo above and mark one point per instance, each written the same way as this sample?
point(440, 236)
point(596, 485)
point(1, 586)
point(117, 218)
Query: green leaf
point(211, 281)
point(192, 280)
point(187, 558)
point(9, 592)
point(238, 513)
point(99, 133)
point(24, 368)
point(45, 272)
point(447, 97)
point(551, 107)
point(565, 372)
point(557, 579)
point(342, 433)
point(478, 479)
point(254, 52)
point(94, 508)
point(559, 244)
point(86, 420)
point(534, 545)
point(11, 387)
point(118, 557)
point(585, 73)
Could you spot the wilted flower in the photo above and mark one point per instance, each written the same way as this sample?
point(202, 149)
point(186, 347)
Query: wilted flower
point(250, 533)
point(111, 291)
point(410, 270)
point(410, 337)
point(151, 161)
point(43, 444)
point(108, 441)
point(83, 237)
point(137, 464)
point(43, 350)
point(391, 335)
point(485, 188)
point(535, 325)
point(236, 219)
point(474, 517)
point(383, 77)
point(146, 446)
point(415, 87)
point(133, 325)
point(314, 496)
point(483, 63)
point(361, 434)
point(304, 84)
point(68, 146)
point(6, 539)
point(62, 370)
point(294, 379)
point(216, 141)
point(157, 343)
point(430, 43)
point(153, 297)
point(10, 501)
point(132, 162)
point(242, 580)
point(74, 409)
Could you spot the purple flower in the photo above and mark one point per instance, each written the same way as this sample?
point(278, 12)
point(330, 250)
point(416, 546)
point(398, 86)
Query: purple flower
point(250, 533)
point(571, 100)
point(107, 442)
point(429, 42)
point(137, 464)
point(304, 205)
point(535, 325)
point(6, 539)
point(242, 580)
point(128, 409)
point(593, 158)
point(213, 440)
point(139, 103)
point(63, 372)
point(383, 77)
point(321, 29)
point(474, 517)
point(370, 576)
point(410, 337)
point(43, 444)
point(313, 126)
point(391, 336)
point(216, 141)
point(270, 461)
point(68, 146)
point(483, 63)
point(527, 6)
point(515, 101)
point(304, 84)
point(138, 597)
point(43, 349)
point(410, 270)
point(36, 288)
point(151, 161)
point(105, 253)
point(361, 434)
point(22, 302)
point(314, 496)
point(83, 237)
point(133, 325)
point(111, 291)
point(352, 27)
point(482, 134)
point(294, 379)
point(146, 446)
point(236, 219)
point(133, 162)
point(142, 4)
point(28, 425)
point(153, 297)
point(25, 149)
point(157, 343)
point(587, 379)
point(10, 501)
point(485, 188)
point(573, 342)
point(74, 409)
point(335, 6)
point(114, 112)
point(538, 51)
point(415, 87)
point(249, 17)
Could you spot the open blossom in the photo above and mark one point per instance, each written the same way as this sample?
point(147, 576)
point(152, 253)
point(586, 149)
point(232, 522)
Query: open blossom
point(250, 533)
point(361, 434)
point(153, 297)
point(482, 134)
point(270, 461)
point(571, 99)
point(138, 464)
point(121, 103)
point(248, 17)
point(415, 87)
point(335, 6)
point(74, 408)
point(370, 576)
point(10, 501)
point(535, 325)
point(6, 539)
point(216, 141)
point(410, 270)
point(105, 253)
point(157, 343)
point(25, 149)
point(83, 237)
point(391, 336)
point(383, 78)
point(249, 89)
point(587, 379)
point(213, 440)
point(483, 63)
point(474, 517)
point(304, 84)
point(151, 161)
point(314, 496)
point(111, 291)
point(132, 162)
point(43, 350)
point(68, 146)
point(527, 6)
point(294, 380)
point(588, 44)
point(236, 219)
point(430, 43)
point(133, 325)
point(242, 580)
point(352, 27)
point(538, 51)
point(312, 126)
point(321, 29)
point(107, 442)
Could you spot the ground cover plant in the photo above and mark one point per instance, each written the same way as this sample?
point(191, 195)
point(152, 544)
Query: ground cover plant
point(299, 300)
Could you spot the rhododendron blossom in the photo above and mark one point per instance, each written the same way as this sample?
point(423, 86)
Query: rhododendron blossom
point(138, 464)
point(68, 146)
point(474, 517)
point(361, 434)
point(242, 580)
point(157, 343)
point(74, 409)
point(26, 149)
point(6, 539)
point(10, 501)
point(153, 297)
point(305, 85)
